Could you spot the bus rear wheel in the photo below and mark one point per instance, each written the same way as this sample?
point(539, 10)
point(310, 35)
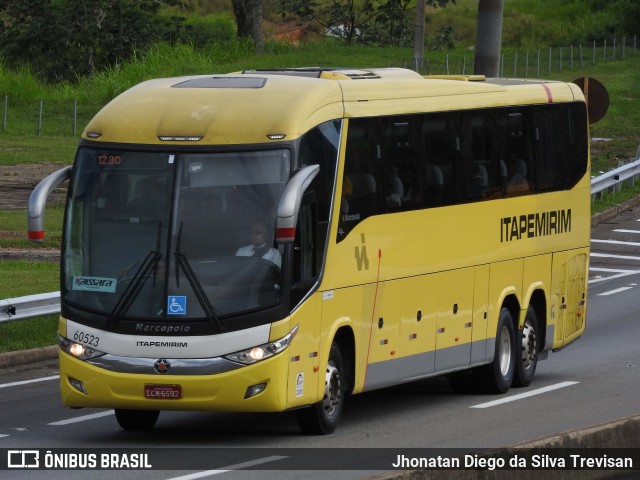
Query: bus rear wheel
point(527, 350)
point(497, 376)
point(136, 419)
point(322, 418)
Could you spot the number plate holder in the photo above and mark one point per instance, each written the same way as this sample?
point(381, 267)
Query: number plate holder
point(162, 392)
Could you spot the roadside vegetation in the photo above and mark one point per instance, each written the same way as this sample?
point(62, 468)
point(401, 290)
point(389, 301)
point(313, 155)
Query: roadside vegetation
point(211, 48)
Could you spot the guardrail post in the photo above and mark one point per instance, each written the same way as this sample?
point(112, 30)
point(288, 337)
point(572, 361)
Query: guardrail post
point(39, 118)
point(4, 114)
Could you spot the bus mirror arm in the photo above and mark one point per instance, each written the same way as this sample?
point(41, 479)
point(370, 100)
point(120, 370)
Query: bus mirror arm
point(290, 201)
point(38, 200)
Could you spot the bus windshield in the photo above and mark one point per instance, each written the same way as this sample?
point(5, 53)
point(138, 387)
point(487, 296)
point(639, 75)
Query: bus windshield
point(168, 236)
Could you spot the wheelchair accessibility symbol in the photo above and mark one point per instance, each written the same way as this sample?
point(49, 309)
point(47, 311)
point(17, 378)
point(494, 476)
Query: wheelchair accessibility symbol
point(177, 305)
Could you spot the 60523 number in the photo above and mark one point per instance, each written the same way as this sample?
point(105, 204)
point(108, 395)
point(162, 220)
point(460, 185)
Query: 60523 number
point(86, 338)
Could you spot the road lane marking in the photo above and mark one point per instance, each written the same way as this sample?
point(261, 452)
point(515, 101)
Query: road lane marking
point(520, 396)
point(26, 382)
point(624, 273)
point(612, 292)
point(609, 255)
point(3, 435)
point(230, 468)
point(84, 418)
point(616, 242)
point(622, 230)
point(613, 270)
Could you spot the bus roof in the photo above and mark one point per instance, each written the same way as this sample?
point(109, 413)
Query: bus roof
point(261, 106)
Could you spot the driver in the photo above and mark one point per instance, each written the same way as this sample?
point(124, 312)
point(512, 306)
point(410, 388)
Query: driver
point(259, 246)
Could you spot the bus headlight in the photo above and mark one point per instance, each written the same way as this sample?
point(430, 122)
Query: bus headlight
point(262, 352)
point(77, 350)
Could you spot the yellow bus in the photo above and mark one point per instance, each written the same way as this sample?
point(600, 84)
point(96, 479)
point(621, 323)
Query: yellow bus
point(267, 241)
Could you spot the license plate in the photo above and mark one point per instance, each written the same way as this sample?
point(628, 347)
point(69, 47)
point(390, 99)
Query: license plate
point(163, 392)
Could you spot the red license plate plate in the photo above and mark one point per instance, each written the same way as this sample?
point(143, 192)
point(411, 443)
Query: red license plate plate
point(163, 392)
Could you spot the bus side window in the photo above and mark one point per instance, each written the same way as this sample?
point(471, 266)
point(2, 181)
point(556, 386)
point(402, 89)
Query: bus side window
point(561, 152)
point(400, 145)
point(361, 185)
point(518, 155)
point(574, 142)
point(481, 170)
point(442, 159)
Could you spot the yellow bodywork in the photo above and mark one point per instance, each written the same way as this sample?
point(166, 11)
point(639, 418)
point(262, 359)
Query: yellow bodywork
point(408, 287)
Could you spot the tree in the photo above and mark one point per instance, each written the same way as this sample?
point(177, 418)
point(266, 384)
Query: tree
point(381, 22)
point(629, 15)
point(248, 14)
point(64, 39)
point(419, 30)
point(343, 19)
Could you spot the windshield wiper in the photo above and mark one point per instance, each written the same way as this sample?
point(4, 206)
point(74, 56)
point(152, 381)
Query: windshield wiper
point(130, 293)
point(203, 300)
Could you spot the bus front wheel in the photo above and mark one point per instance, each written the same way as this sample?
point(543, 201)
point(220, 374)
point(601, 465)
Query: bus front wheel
point(136, 419)
point(527, 350)
point(322, 418)
point(498, 375)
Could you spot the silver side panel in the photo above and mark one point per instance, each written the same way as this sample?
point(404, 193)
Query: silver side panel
point(416, 367)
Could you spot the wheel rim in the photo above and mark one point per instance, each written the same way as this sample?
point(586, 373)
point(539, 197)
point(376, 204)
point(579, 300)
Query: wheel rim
point(332, 390)
point(505, 351)
point(529, 345)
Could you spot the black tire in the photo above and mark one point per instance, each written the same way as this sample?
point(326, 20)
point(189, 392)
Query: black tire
point(497, 376)
point(527, 350)
point(136, 419)
point(322, 418)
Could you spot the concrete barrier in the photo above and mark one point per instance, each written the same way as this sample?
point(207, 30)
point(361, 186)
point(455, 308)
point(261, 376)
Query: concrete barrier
point(33, 355)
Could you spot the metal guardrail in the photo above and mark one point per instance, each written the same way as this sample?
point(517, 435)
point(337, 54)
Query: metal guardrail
point(30, 306)
point(42, 304)
point(614, 178)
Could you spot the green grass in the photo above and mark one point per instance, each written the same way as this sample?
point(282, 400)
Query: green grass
point(13, 229)
point(32, 333)
point(532, 23)
point(20, 149)
point(611, 200)
point(20, 278)
point(621, 78)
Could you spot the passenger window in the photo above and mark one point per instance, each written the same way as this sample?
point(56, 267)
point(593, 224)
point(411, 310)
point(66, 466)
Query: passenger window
point(361, 185)
point(400, 145)
point(442, 158)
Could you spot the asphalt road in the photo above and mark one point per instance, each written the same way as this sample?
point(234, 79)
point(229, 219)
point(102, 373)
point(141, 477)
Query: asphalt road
point(592, 381)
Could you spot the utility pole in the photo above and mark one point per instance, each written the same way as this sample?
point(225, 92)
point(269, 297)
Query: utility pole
point(489, 37)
